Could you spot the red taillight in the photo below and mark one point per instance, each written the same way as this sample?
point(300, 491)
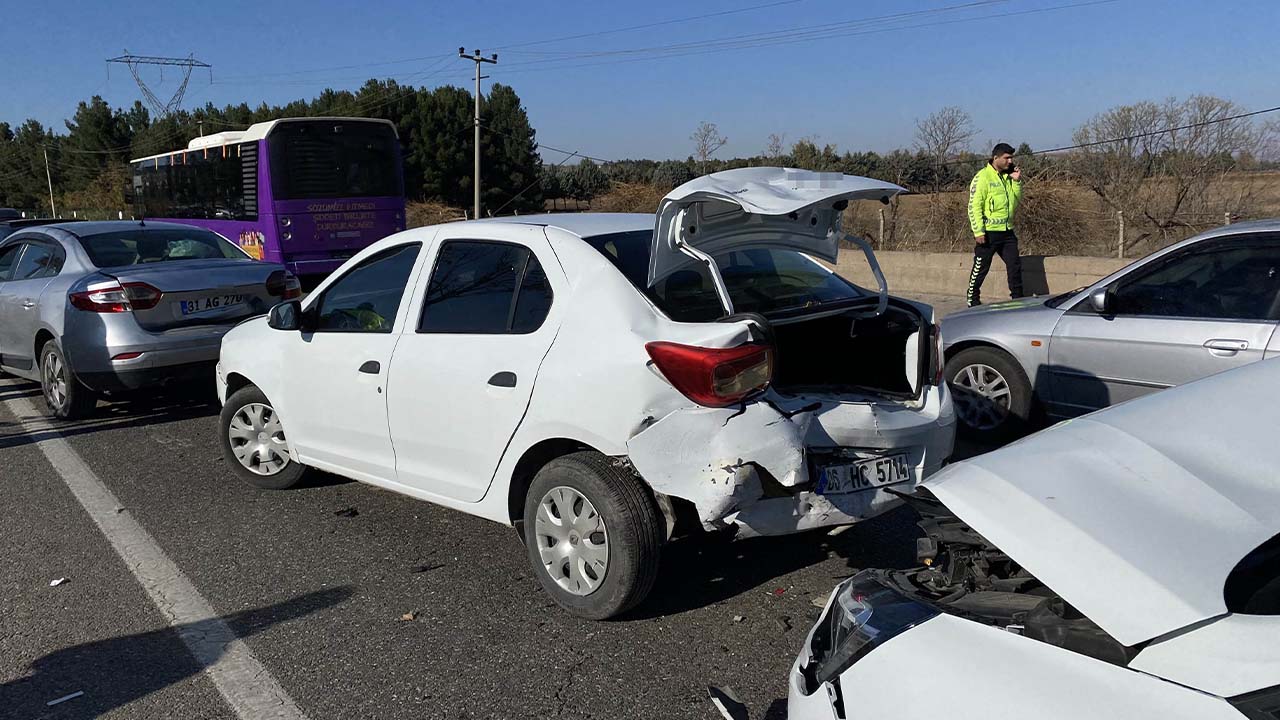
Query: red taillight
point(283, 284)
point(110, 297)
point(715, 377)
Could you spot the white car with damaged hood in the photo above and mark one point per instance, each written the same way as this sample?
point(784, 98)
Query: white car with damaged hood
point(597, 381)
point(1125, 565)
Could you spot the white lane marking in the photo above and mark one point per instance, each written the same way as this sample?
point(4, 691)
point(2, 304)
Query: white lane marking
point(245, 683)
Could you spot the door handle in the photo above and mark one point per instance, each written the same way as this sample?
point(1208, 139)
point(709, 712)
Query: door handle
point(371, 367)
point(28, 304)
point(503, 379)
point(1226, 348)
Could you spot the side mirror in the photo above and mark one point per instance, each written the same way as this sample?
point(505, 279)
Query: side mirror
point(286, 316)
point(1101, 301)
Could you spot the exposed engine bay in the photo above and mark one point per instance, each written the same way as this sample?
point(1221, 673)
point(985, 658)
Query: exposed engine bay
point(964, 574)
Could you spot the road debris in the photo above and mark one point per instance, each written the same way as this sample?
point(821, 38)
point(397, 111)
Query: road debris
point(410, 616)
point(348, 512)
point(65, 698)
point(728, 703)
point(426, 568)
point(777, 592)
point(784, 621)
point(819, 602)
point(739, 618)
point(119, 510)
point(59, 581)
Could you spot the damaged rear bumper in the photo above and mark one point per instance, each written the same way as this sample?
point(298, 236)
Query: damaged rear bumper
point(755, 467)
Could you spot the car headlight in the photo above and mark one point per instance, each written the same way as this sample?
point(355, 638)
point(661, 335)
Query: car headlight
point(864, 614)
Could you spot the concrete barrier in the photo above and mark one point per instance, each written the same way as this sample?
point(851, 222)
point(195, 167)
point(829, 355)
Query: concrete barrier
point(948, 273)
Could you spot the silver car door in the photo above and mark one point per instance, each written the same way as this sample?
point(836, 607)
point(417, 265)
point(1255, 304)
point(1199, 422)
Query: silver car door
point(40, 261)
point(1209, 308)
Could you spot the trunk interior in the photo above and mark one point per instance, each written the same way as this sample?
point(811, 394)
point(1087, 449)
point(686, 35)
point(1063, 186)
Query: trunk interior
point(886, 355)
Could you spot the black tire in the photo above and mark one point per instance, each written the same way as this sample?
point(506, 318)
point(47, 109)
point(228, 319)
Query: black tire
point(1009, 421)
point(283, 479)
point(633, 525)
point(65, 397)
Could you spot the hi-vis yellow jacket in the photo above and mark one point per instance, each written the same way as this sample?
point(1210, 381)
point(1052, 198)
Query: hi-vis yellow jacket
point(993, 198)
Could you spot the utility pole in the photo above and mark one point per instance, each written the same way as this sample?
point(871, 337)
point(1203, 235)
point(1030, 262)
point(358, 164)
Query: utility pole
point(478, 59)
point(48, 177)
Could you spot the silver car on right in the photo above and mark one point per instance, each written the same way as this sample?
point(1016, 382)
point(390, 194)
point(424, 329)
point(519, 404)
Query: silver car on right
point(1202, 306)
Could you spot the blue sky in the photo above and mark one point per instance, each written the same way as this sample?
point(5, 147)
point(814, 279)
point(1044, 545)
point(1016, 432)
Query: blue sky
point(1032, 77)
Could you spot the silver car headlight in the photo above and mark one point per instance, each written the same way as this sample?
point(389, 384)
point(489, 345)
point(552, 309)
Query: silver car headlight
point(864, 613)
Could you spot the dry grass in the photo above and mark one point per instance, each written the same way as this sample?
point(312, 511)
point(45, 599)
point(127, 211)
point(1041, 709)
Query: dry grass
point(1055, 218)
point(625, 197)
point(421, 214)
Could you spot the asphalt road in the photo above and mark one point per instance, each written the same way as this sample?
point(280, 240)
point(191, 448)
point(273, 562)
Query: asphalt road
point(319, 594)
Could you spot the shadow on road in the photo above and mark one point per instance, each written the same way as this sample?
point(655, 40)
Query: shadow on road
point(117, 671)
point(136, 410)
point(701, 570)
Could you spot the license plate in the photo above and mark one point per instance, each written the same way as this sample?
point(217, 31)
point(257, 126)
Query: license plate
point(864, 475)
point(207, 303)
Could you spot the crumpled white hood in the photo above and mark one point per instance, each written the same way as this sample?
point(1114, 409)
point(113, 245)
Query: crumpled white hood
point(1137, 514)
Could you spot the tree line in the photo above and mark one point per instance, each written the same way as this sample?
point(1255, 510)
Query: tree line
point(87, 161)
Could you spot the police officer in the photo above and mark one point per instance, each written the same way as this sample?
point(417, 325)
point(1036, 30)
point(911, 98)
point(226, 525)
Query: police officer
point(993, 198)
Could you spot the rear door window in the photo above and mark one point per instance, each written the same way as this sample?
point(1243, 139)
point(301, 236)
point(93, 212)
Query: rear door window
point(480, 287)
point(39, 261)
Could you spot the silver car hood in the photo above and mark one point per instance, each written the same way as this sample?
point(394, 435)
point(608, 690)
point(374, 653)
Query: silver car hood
point(1136, 514)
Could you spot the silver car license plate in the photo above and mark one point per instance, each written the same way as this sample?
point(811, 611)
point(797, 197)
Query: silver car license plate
point(864, 475)
point(207, 303)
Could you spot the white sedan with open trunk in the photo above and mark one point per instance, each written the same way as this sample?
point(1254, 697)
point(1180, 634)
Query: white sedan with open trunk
point(599, 382)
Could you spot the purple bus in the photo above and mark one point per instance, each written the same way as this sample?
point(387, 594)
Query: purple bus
point(305, 192)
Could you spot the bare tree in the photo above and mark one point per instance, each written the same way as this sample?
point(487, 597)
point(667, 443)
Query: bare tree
point(773, 150)
point(943, 135)
point(706, 141)
point(1166, 165)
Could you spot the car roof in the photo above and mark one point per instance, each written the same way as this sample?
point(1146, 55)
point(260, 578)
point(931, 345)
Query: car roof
point(83, 229)
point(584, 225)
point(1264, 225)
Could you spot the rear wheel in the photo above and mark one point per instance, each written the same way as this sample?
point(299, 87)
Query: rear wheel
point(991, 392)
point(253, 441)
point(593, 534)
point(65, 397)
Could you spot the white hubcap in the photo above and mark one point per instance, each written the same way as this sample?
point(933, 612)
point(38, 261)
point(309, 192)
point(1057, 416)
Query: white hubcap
point(257, 439)
point(572, 540)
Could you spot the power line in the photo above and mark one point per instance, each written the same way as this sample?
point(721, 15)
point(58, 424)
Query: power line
point(648, 25)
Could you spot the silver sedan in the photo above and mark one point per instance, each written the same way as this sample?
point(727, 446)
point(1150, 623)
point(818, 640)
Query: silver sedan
point(87, 308)
point(1207, 304)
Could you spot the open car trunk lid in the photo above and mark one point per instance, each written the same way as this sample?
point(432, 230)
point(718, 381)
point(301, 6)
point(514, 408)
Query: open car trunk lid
point(1136, 515)
point(763, 207)
point(201, 292)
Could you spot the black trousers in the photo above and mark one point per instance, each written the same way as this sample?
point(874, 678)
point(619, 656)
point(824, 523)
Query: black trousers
point(1005, 243)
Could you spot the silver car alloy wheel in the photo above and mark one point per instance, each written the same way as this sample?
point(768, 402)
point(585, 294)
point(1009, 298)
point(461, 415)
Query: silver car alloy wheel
point(572, 540)
point(257, 439)
point(54, 374)
point(982, 396)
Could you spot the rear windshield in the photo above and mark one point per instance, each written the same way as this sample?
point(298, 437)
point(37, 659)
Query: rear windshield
point(765, 280)
point(143, 246)
point(328, 159)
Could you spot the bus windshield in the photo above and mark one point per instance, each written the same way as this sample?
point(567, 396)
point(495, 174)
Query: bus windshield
point(333, 159)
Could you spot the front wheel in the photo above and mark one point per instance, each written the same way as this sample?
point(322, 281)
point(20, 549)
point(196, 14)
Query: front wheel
point(594, 534)
point(991, 392)
point(64, 396)
point(253, 441)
